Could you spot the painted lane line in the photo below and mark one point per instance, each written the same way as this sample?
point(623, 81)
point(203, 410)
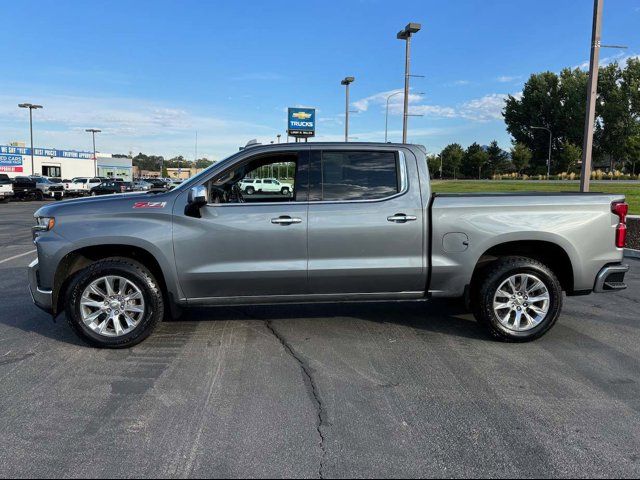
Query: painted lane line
point(18, 256)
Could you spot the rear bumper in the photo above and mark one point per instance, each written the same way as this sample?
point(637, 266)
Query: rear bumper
point(42, 298)
point(6, 194)
point(611, 278)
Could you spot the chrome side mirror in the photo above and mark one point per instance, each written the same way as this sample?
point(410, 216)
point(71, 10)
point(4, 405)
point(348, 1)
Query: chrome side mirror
point(198, 196)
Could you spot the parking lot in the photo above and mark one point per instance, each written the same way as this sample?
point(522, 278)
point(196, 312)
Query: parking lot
point(377, 390)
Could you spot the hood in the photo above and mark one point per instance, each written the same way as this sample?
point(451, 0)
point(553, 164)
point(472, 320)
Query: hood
point(100, 204)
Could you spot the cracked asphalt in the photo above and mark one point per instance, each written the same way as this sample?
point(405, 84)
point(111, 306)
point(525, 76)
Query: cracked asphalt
point(377, 390)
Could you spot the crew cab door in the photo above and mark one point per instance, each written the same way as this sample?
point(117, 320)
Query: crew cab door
point(246, 246)
point(366, 223)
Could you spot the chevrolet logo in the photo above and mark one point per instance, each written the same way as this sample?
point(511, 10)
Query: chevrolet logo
point(301, 115)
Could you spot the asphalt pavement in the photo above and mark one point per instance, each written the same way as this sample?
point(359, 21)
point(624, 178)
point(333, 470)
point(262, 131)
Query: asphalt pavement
point(376, 390)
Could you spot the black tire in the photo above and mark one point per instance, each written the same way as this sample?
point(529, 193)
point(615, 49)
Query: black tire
point(482, 297)
point(284, 191)
point(93, 194)
point(132, 271)
point(250, 190)
point(39, 195)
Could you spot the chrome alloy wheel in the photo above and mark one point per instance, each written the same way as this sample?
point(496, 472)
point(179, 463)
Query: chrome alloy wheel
point(112, 306)
point(521, 302)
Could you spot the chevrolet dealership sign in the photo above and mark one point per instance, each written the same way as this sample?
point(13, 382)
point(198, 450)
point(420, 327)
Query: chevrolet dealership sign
point(302, 122)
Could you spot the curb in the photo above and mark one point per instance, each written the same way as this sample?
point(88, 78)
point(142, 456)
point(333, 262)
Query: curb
point(631, 253)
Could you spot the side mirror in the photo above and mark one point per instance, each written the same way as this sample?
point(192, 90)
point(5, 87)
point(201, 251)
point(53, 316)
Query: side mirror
point(198, 196)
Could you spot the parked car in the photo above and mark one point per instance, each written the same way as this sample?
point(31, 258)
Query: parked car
point(48, 188)
point(158, 183)
point(265, 185)
point(142, 185)
point(25, 188)
point(106, 188)
point(362, 225)
point(6, 188)
point(80, 185)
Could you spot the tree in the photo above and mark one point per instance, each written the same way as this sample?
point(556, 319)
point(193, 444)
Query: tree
point(475, 159)
point(433, 162)
point(568, 157)
point(520, 156)
point(452, 156)
point(498, 159)
point(203, 163)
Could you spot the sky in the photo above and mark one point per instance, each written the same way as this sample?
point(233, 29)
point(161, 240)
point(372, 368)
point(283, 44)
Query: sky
point(150, 74)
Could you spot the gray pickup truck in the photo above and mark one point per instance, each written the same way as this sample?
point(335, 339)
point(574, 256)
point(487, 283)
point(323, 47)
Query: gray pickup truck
point(362, 224)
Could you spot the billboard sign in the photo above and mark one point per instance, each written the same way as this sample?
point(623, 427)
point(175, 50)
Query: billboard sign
point(44, 152)
point(10, 163)
point(302, 122)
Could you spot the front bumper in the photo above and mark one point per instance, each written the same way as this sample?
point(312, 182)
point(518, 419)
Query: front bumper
point(611, 278)
point(42, 298)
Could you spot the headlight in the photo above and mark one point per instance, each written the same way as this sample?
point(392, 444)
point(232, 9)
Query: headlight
point(44, 224)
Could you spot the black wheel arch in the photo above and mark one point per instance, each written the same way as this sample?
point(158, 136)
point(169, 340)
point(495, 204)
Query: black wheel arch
point(548, 253)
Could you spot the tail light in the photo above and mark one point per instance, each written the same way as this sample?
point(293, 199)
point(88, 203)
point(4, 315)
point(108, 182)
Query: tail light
point(621, 209)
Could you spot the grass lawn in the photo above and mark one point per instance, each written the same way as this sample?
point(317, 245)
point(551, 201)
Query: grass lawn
point(630, 190)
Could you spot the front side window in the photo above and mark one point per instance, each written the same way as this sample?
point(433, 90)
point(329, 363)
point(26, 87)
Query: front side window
point(245, 183)
point(359, 175)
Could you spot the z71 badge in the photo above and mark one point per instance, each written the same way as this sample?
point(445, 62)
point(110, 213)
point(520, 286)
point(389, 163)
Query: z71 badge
point(149, 204)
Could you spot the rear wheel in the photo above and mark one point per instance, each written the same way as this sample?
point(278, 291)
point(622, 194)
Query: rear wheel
point(39, 195)
point(518, 299)
point(114, 303)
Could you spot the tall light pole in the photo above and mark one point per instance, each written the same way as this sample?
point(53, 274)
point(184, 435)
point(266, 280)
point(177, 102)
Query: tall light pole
point(31, 108)
point(93, 132)
point(278, 136)
point(550, 141)
point(346, 82)
point(405, 35)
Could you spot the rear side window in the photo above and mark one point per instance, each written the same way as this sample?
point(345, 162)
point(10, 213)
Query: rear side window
point(357, 175)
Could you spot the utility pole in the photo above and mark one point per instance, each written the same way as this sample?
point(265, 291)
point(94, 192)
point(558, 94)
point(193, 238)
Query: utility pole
point(93, 132)
point(346, 82)
point(594, 63)
point(406, 34)
point(31, 108)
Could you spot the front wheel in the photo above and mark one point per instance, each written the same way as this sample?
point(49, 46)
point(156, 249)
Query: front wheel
point(285, 191)
point(518, 299)
point(114, 303)
point(250, 190)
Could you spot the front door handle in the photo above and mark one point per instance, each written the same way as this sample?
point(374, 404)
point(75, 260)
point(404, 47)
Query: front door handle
point(285, 220)
point(401, 218)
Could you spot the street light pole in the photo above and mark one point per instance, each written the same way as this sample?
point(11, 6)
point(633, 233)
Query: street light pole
point(31, 108)
point(93, 132)
point(550, 141)
point(405, 35)
point(386, 118)
point(346, 82)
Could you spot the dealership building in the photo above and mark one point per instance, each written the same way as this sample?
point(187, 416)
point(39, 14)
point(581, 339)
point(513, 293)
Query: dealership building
point(15, 160)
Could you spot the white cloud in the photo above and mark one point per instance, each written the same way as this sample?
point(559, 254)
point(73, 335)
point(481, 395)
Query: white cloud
point(126, 124)
point(508, 78)
point(482, 109)
point(621, 58)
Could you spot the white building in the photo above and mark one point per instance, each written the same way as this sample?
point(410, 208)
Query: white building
point(66, 164)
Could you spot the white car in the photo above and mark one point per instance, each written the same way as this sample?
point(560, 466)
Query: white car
point(81, 185)
point(265, 185)
point(6, 187)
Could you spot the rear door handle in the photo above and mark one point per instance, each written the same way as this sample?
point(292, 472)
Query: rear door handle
point(285, 220)
point(401, 218)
